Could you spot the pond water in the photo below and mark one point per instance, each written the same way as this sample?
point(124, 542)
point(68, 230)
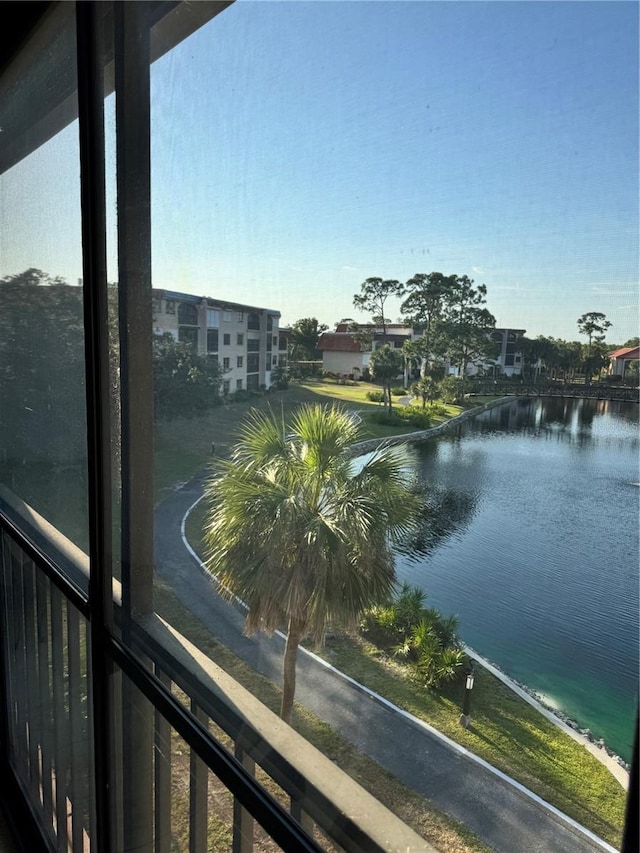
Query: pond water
point(532, 541)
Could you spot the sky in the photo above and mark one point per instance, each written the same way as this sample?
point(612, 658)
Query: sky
point(299, 148)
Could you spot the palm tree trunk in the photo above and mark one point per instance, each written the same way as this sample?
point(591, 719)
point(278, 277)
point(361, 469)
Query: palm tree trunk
point(294, 636)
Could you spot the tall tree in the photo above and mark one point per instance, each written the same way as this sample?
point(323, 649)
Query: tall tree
point(385, 365)
point(423, 307)
point(465, 321)
point(373, 296)
point(536, 353)
point(299, 533)
point(594, 325)
point(303, 339)
point(42, 413)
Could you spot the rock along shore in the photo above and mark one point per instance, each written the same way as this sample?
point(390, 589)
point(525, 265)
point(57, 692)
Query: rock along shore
point(362, 447)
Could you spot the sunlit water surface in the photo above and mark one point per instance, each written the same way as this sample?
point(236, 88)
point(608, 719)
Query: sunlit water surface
point(532, 541)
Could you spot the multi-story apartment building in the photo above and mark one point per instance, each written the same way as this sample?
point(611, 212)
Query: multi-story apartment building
point(244, 340)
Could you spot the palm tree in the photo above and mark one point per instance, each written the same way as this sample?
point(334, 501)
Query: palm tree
point(385, 365)
point(301, 533)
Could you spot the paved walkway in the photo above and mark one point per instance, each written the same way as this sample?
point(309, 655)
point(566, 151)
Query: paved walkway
point(500, 813)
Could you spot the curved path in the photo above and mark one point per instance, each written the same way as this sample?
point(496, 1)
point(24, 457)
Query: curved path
point(502, 813)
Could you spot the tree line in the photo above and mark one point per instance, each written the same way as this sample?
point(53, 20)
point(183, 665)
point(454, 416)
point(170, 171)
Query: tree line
point(42, 371)
point(451, 322)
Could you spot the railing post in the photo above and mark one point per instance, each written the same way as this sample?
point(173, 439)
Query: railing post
point(162, 775)
point(242, 820)
point(198, 795)
point(297, 812)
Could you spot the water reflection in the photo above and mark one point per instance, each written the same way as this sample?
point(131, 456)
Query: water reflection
point(447, 512)
point(578, 421)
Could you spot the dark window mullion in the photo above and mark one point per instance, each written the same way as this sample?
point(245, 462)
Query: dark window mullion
point(90, 58)
point(133, 114)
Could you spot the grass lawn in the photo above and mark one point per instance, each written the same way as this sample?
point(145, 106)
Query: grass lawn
point(183, 446)
point(506, 731)
point(442, 831)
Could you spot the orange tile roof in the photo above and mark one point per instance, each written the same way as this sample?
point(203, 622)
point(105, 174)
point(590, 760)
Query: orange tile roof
point(625, 352)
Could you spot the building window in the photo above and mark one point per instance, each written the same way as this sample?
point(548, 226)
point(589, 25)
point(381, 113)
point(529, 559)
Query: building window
point(227, 316)
point(187, 314)
point(252, 382)
point(226, 340)
point(269, 344)
point(240, 339)
point(226, 364)
point(213, 318)
point(238, 384)
point(212, 340)
point(156, 305)
point(253, 322)
point(253, 345)
point(226, 387)
point(170, 306)
point(269, 322)
point(275, 359)
point(282, 343)
point(239, 361)
point(253, 362)
point(240, 317)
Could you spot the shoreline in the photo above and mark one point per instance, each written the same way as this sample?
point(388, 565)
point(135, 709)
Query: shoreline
point(618, 768)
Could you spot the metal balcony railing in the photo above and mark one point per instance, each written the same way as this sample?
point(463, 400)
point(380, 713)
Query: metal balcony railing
point(162, 786)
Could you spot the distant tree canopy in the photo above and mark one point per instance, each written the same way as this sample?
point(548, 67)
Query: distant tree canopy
point(42, 371)
point(185, 384)
point(594, 325)
point(42, 374)
point(450, 312)
point(373, 296)
point(303, 339)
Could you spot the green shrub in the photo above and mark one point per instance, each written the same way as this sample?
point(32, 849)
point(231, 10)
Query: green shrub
point(398, 391)
point(375, 396)
point(438, 409)
point(416, 416)
point(425, 639)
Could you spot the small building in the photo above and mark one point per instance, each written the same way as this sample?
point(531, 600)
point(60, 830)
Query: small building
point(620, 359)
point(346, 354)
point(245, 340)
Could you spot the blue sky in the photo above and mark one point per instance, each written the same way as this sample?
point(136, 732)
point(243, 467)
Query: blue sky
point(301, 147)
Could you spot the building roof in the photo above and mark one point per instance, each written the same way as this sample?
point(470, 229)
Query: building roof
point(338, 342)
point(392, 328)
point(211, 301)
point(625, 352)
